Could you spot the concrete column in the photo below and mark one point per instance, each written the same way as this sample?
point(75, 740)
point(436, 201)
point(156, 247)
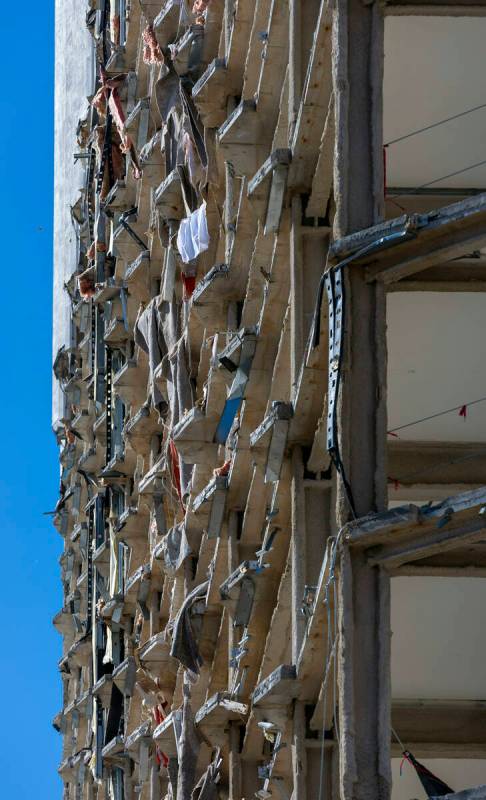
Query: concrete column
point(296, 299)
point(234, 762)
point(363, 662)
point(295, 63)
point(298, 551)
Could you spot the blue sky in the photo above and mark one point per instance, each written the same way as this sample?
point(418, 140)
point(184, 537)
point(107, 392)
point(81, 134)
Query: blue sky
point(30, 591)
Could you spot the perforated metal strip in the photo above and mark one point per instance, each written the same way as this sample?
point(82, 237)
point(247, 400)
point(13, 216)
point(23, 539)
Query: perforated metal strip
point(334, 289)
point(109, 404)
point(89, 194)
point(89, 609)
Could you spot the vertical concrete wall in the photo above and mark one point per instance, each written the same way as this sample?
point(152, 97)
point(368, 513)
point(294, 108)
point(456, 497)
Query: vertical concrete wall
point(73, 82)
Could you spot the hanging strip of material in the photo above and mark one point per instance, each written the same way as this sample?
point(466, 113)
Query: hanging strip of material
point(90, 215)
point(335, 295)
point(93, 336)
point(106, 157)
point(105, 8)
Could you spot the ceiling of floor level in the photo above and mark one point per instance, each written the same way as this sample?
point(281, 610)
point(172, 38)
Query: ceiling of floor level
point(434, 68)
point(438, 652)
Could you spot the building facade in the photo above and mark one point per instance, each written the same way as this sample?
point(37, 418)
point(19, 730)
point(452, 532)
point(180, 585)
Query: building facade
point(245, 516)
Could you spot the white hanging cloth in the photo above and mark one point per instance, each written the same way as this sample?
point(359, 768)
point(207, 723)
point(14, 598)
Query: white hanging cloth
point(193, 236)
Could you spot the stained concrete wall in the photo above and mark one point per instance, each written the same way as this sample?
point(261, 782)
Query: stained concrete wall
point(437, 352)
point(73, 82)
point(438, 642)
point(434, 68)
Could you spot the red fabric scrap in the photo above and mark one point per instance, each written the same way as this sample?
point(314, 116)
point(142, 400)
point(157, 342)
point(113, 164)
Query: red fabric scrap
point(176, 473)
point(189, 283)
point(463, 411)
point(159, 754)
point(107, 96)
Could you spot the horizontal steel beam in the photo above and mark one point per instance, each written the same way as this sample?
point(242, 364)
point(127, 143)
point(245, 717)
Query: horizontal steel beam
point(411, 243)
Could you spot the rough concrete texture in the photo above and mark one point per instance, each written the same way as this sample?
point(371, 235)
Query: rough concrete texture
point(74, 69)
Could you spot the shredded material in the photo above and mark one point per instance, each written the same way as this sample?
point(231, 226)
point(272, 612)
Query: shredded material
point(207, 786)
point(223, 470)
point(152, 54)
point(117, 157)
point(199, 9)
point(188, 749)
point(184, 645)
point(107, 97)
point(175, 471)
point(193, 235)
point(86, 285)
point(115, 29)
point(189, 284)
point(175, 549)
point(70, 437)
point(195, 170)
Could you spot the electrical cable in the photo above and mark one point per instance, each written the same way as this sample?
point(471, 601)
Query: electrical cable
point(438, 414)
point(123, 222)
point(434, 125)
point(438, 180)
point(330, 652)
point(332, 643)
point(398, 739)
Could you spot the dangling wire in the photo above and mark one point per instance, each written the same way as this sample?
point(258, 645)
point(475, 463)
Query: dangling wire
point(402, 746)
point(332, 641)
point(434, 125)
point(438, 414)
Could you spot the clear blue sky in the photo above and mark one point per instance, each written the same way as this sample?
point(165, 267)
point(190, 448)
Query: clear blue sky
point(30, 592)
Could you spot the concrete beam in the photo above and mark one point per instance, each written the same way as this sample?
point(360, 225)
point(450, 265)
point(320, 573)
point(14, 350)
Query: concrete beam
point(440, 8)
point(434, 463)
point(443, 724)
point(450, 534)
point(461, 275)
